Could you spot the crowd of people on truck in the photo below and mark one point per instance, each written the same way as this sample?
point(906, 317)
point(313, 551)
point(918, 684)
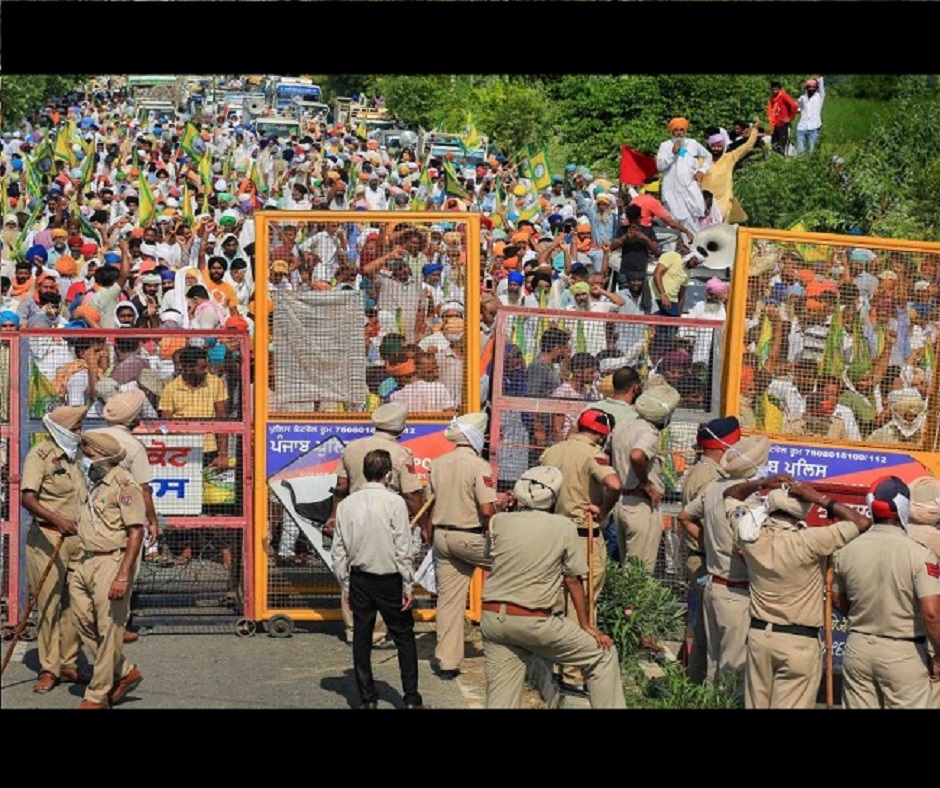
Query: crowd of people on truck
point(147, 221)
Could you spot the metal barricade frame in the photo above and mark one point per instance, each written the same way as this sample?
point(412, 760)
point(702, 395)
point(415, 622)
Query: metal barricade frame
point(426, 429)
point(239, 427)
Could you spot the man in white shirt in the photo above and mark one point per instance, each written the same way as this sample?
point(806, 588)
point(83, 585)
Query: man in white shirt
point(374, 562)
point(810, 105)
point(422, 391)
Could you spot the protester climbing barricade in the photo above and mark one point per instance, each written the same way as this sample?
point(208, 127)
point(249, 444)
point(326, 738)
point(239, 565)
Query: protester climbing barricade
point(352, 311)
point(550, 365)
point(196, 428)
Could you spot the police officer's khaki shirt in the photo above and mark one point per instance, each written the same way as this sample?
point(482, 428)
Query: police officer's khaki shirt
point(403, 480)
point(59, 484)
point(460, 481)
point(636, 434)
point(532, 552)
point(882, 574)
point(135, 453)
point(786, 571)
point(711, 509)
point(700, 475)
point(114, 505)
point(583, 466)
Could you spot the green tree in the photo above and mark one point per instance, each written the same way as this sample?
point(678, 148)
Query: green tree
point(22, 95)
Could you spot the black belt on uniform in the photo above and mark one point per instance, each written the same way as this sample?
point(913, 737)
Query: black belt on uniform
point(587, 531)
point(480, 530)
point(786, 629)
point(918, 640)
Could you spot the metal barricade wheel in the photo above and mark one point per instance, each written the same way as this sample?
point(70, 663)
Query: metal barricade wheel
point(280, 626)
point(245, 628)
point(29, 632)
point(7, 632)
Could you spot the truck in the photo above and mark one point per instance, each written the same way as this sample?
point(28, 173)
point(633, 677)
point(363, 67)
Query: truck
point(162, 93)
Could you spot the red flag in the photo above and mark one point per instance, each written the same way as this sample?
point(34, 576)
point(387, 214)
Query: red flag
point(635, 167)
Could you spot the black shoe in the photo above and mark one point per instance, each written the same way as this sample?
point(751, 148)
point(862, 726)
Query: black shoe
point(415, 706)
point(448, 675)
point(369, 704)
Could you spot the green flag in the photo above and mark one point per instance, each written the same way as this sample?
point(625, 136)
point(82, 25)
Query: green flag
point(147, 207)
point(30, 221)
point(87, 229)
point(452, 187)
point(833, 362)
point(33, 181)
point(539, 168)
point(193, 143)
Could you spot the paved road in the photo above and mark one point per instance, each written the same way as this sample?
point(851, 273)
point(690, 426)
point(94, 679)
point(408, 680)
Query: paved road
point(310, 670)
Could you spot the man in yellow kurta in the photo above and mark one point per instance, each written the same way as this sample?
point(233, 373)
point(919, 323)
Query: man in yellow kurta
point(719, 179)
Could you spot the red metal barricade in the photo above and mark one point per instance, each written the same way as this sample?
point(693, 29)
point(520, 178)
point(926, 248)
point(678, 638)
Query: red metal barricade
point(198, 438)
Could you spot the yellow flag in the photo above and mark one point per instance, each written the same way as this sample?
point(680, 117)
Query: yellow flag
point(63, 149)
point(147, 207)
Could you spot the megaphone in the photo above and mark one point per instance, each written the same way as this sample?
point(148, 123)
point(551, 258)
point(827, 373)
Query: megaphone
point(716, 243)
point(256, 106)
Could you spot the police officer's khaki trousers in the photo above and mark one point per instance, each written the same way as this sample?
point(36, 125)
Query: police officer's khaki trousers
point(569, 674)
point(457, 555)
point(57, 637)
point(783, 670)
point(639, 529)
point(882, 673)
point(508, 641)
point(727, 618)
point(697, 669)
point(101, 621)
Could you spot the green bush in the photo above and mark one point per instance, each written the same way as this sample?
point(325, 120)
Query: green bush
point(634, 606)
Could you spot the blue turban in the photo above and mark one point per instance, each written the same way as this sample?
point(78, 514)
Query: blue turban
point(112, 257)
point(431, 268)
point(37, 250)
point(719, 433)
point(167, 275)
point(515, 278)
point(6, 316)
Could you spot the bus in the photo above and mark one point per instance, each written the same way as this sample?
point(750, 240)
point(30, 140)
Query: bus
point(289, 88)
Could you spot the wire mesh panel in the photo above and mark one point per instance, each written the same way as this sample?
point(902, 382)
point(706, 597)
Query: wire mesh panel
point(840, 342)
point(195, 433)
point(553, 364)
point(360, 312)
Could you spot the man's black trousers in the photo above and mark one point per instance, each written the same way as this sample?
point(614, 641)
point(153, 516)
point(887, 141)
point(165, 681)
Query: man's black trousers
point(369, 593)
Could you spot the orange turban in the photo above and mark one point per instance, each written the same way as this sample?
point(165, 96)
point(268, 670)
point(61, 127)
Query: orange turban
point(87, 313)
point(678, 123)
point(407, 367)
point(66, 265)
point(511, 263)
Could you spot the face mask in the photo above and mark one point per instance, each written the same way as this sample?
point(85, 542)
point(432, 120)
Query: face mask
point(453, 337)
point(67, 440)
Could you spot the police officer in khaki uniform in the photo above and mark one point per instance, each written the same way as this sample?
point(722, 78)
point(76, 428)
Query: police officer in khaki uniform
point(726, 601)
point(590, 488)
point(785, 567)
point(389, 421)
point(54, 491)
point(534, 553)
point(713, 439)
point(634, 449)
point(464, 488)
point(111, 529)
point(889, 587)
point(122, 412)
